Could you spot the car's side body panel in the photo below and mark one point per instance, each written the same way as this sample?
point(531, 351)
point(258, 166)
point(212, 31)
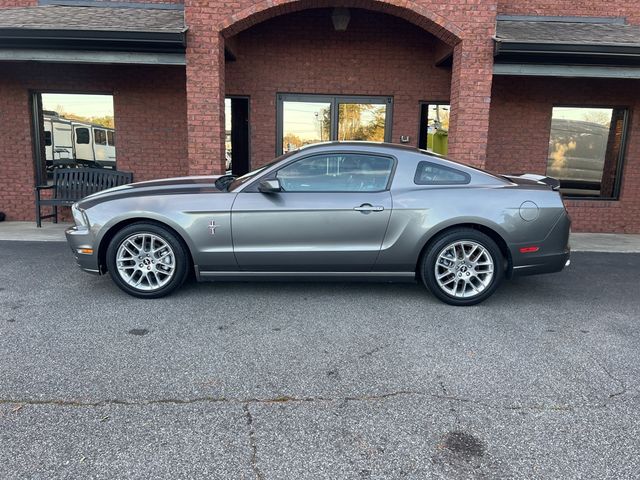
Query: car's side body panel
point(307, 231)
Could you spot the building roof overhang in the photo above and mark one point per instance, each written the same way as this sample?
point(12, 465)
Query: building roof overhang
point(54, 32)
point(566, 41)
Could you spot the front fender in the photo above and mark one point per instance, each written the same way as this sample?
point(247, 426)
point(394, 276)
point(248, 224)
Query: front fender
point(189, 216)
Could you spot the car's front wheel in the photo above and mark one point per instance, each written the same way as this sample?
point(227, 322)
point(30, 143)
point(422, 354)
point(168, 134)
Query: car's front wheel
point(463, 267)
point(147, 260)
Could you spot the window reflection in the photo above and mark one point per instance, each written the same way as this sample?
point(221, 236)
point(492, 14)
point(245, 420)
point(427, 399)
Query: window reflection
point(434, 127)
point(361, 121)
point(306, 119)
point(304, 123)
point(78, 131)
point(585, 149)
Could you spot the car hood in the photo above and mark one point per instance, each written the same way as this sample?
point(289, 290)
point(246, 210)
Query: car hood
point(166, 186)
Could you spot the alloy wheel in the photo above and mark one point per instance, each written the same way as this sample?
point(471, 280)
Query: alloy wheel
point(464, 269)
point(145, 261)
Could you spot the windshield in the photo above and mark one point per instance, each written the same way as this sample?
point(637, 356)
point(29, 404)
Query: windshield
point(251, 175)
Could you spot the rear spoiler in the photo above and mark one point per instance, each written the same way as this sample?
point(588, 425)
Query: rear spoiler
point(554, 183)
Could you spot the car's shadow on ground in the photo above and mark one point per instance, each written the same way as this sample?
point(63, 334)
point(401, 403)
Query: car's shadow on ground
point(511, 291)
point(588, 279)
point(583, 280)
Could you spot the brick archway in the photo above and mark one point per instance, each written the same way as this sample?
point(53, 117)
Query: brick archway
point(465, 25)
point(409, 10)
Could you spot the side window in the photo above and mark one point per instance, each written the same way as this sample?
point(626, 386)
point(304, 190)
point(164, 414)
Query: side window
point(429, 173)
point(47, 138)
point(100, 136)
point(337, 173)
point(82, 136)
point(111, 137)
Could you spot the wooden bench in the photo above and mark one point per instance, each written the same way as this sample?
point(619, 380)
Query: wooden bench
point(72, 184)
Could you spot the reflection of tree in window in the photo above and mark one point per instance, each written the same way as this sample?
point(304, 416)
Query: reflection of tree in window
point(584, 149)
point(305, 123)
point(439, 118)
point(361, 121)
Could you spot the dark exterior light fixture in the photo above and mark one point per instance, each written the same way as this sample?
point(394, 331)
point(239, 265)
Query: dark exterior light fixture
point(340, 18)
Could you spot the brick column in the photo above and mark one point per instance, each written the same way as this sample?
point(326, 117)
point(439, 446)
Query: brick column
point(470, 100)
point(205, 97)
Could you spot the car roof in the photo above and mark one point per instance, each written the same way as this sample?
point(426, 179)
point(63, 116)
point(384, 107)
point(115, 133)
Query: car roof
point(364, 144)
point(391, 148)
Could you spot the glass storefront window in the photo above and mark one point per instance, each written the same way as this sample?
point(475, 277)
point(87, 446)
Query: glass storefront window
point(586, 149)
point(78, 131)
point(307, 119)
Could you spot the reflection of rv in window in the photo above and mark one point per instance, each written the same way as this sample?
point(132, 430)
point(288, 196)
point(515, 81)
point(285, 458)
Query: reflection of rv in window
point(577, 152)
point(58, 140)
point(104, 146)
point(94, 144)
point(68, 142)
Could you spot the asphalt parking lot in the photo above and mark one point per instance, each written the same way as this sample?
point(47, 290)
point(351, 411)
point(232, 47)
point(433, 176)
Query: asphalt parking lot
point(317, 380)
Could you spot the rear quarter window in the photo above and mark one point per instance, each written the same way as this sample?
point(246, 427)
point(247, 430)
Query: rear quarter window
point(429, 173)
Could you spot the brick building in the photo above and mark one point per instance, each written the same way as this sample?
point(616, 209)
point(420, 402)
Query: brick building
point(514, 86)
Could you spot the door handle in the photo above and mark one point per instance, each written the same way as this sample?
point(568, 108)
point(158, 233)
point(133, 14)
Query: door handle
point(367, 207)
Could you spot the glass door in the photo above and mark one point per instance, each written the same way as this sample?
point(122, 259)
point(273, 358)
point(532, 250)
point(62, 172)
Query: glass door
point(306, 119)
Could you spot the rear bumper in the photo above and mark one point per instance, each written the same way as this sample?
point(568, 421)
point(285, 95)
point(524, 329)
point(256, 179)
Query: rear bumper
point(543, 264)
point(82, 239)
point(553, 255)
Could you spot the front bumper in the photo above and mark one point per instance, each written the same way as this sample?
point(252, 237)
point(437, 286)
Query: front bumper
point(80, 239)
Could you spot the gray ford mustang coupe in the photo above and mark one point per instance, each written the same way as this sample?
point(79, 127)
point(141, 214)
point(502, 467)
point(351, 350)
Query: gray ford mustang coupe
point(341, 211)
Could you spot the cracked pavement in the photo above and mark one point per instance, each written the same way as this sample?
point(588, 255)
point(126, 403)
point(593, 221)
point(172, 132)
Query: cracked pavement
point(317, 380)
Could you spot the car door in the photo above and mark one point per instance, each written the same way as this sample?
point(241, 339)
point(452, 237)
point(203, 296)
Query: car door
point(331, 215)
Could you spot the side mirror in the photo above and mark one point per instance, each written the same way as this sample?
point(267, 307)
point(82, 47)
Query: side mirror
point(270, 186)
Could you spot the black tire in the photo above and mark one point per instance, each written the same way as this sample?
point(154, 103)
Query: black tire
point(428, 265)
point(180, 258)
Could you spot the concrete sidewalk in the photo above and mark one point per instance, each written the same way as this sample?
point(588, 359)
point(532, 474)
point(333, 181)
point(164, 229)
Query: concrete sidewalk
point(580, 242)
point(27, 231)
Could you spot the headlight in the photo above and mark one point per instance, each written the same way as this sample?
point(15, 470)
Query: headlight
point(79, 216)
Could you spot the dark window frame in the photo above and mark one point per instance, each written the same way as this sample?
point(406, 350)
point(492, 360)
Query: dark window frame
point(334, 100)
point(421, 163)
point(617, 184)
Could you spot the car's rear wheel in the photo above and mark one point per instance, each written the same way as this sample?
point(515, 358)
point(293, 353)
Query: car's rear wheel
point(147, 260)
point(463, 267)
